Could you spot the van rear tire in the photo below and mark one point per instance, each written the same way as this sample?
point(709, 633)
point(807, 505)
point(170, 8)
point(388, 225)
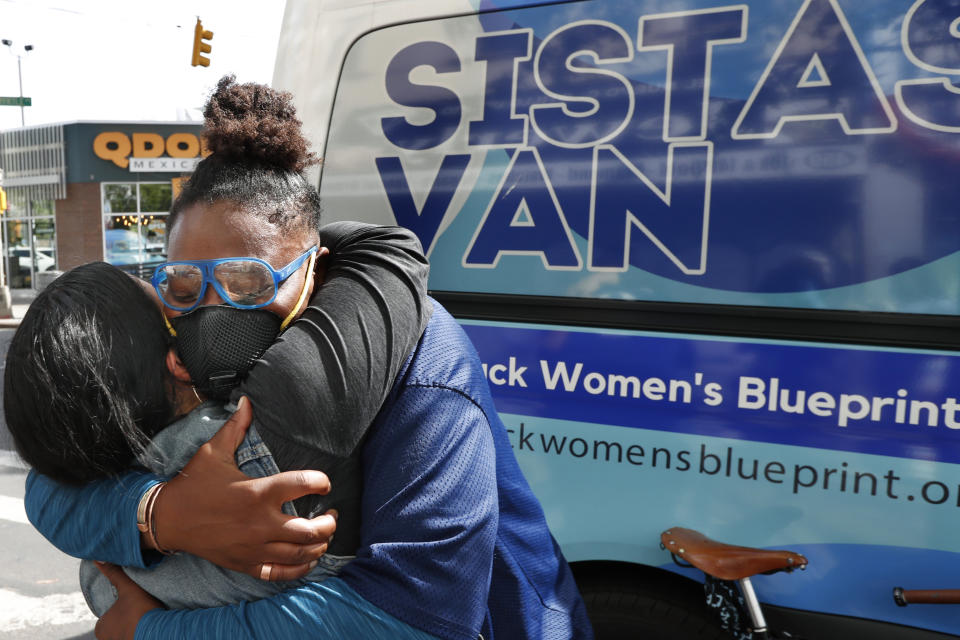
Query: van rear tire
point(667, 609)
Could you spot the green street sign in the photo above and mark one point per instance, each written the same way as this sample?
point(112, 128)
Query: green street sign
point(15, 102)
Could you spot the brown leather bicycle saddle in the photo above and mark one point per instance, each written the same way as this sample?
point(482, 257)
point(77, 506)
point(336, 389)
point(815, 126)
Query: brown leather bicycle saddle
point(727, 561)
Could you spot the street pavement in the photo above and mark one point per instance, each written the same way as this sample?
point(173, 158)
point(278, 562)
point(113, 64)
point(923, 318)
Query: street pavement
point(39, 594)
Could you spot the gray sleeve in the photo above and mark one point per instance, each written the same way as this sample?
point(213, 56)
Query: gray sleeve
point(322, 383)
point(184, 581)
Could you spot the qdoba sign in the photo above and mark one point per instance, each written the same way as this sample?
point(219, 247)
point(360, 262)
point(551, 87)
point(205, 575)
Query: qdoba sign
point(144, 152)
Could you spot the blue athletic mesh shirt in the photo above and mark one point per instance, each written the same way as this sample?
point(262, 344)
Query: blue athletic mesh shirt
point(447, 511)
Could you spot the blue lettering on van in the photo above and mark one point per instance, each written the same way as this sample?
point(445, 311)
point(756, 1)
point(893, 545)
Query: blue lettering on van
point(688, 37)
point(575, 118)
point(674, 220)
point(930, 42)
point(500, 52)
point(524, 218)
point(818, 72)
point(651, 154)
point(426, 221)
point(444, 103)
point(931, 35)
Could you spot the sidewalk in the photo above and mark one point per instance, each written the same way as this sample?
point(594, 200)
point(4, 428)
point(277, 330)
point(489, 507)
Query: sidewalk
point(20, 300)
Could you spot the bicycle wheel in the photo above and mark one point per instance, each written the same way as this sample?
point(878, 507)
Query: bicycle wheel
point(666, 609)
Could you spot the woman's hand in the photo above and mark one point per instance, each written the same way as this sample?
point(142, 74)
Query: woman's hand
point(212, 510)
point(121, 620)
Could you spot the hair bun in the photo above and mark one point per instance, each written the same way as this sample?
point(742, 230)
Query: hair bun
point(254, 124)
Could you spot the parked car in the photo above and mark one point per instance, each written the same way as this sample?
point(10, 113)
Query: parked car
point(45, 261)
point(122, 246)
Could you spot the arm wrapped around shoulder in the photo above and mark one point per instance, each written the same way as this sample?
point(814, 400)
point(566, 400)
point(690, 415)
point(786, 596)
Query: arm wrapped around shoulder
point(322, 383)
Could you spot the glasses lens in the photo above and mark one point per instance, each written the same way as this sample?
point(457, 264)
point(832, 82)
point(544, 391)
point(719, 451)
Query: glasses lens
point(246, 282)
point(180, 287)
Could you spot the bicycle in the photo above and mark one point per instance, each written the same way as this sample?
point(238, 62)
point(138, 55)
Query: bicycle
point(724, 564)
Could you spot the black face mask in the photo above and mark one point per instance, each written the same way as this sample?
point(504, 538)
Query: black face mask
point(219, 344)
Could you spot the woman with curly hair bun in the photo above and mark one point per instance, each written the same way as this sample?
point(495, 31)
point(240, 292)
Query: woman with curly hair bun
point(91, 383)
point(446, 538)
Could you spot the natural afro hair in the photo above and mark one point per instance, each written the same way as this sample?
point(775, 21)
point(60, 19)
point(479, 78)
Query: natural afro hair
point(257, 157)
point(252, 123)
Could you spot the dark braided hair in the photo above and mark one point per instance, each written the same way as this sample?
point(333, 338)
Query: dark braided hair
point(258, 155)
point(85, 385)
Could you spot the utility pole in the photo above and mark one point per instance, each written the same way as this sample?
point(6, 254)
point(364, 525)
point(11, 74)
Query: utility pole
point(5, 302)
point(6, 308)
point(23, 117)
point(27, 48)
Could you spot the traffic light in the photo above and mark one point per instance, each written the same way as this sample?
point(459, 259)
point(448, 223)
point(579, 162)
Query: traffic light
point(199, 46)
point(3, 200)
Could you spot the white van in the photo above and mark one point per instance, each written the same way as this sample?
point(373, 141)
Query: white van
point(710, 256)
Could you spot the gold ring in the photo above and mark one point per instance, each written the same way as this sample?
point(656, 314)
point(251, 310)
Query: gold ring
point(265, 570)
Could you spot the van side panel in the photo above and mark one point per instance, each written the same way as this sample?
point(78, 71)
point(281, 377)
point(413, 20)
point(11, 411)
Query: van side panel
point(782, 158)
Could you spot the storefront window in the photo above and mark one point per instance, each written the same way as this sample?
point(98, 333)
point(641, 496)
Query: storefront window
point(153, 231)
point(135, 221)
point(122, 240)
point(30, 241)
point(120, 198)
point(44, 244)
point(41, 208)
point(18, 254)
point(156, 197)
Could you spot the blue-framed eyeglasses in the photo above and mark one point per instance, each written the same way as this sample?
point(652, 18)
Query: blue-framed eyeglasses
point(245, 283)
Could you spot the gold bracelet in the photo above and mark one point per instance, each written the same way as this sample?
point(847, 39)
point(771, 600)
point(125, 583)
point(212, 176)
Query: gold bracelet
point(152, 521)
point(143, 524)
